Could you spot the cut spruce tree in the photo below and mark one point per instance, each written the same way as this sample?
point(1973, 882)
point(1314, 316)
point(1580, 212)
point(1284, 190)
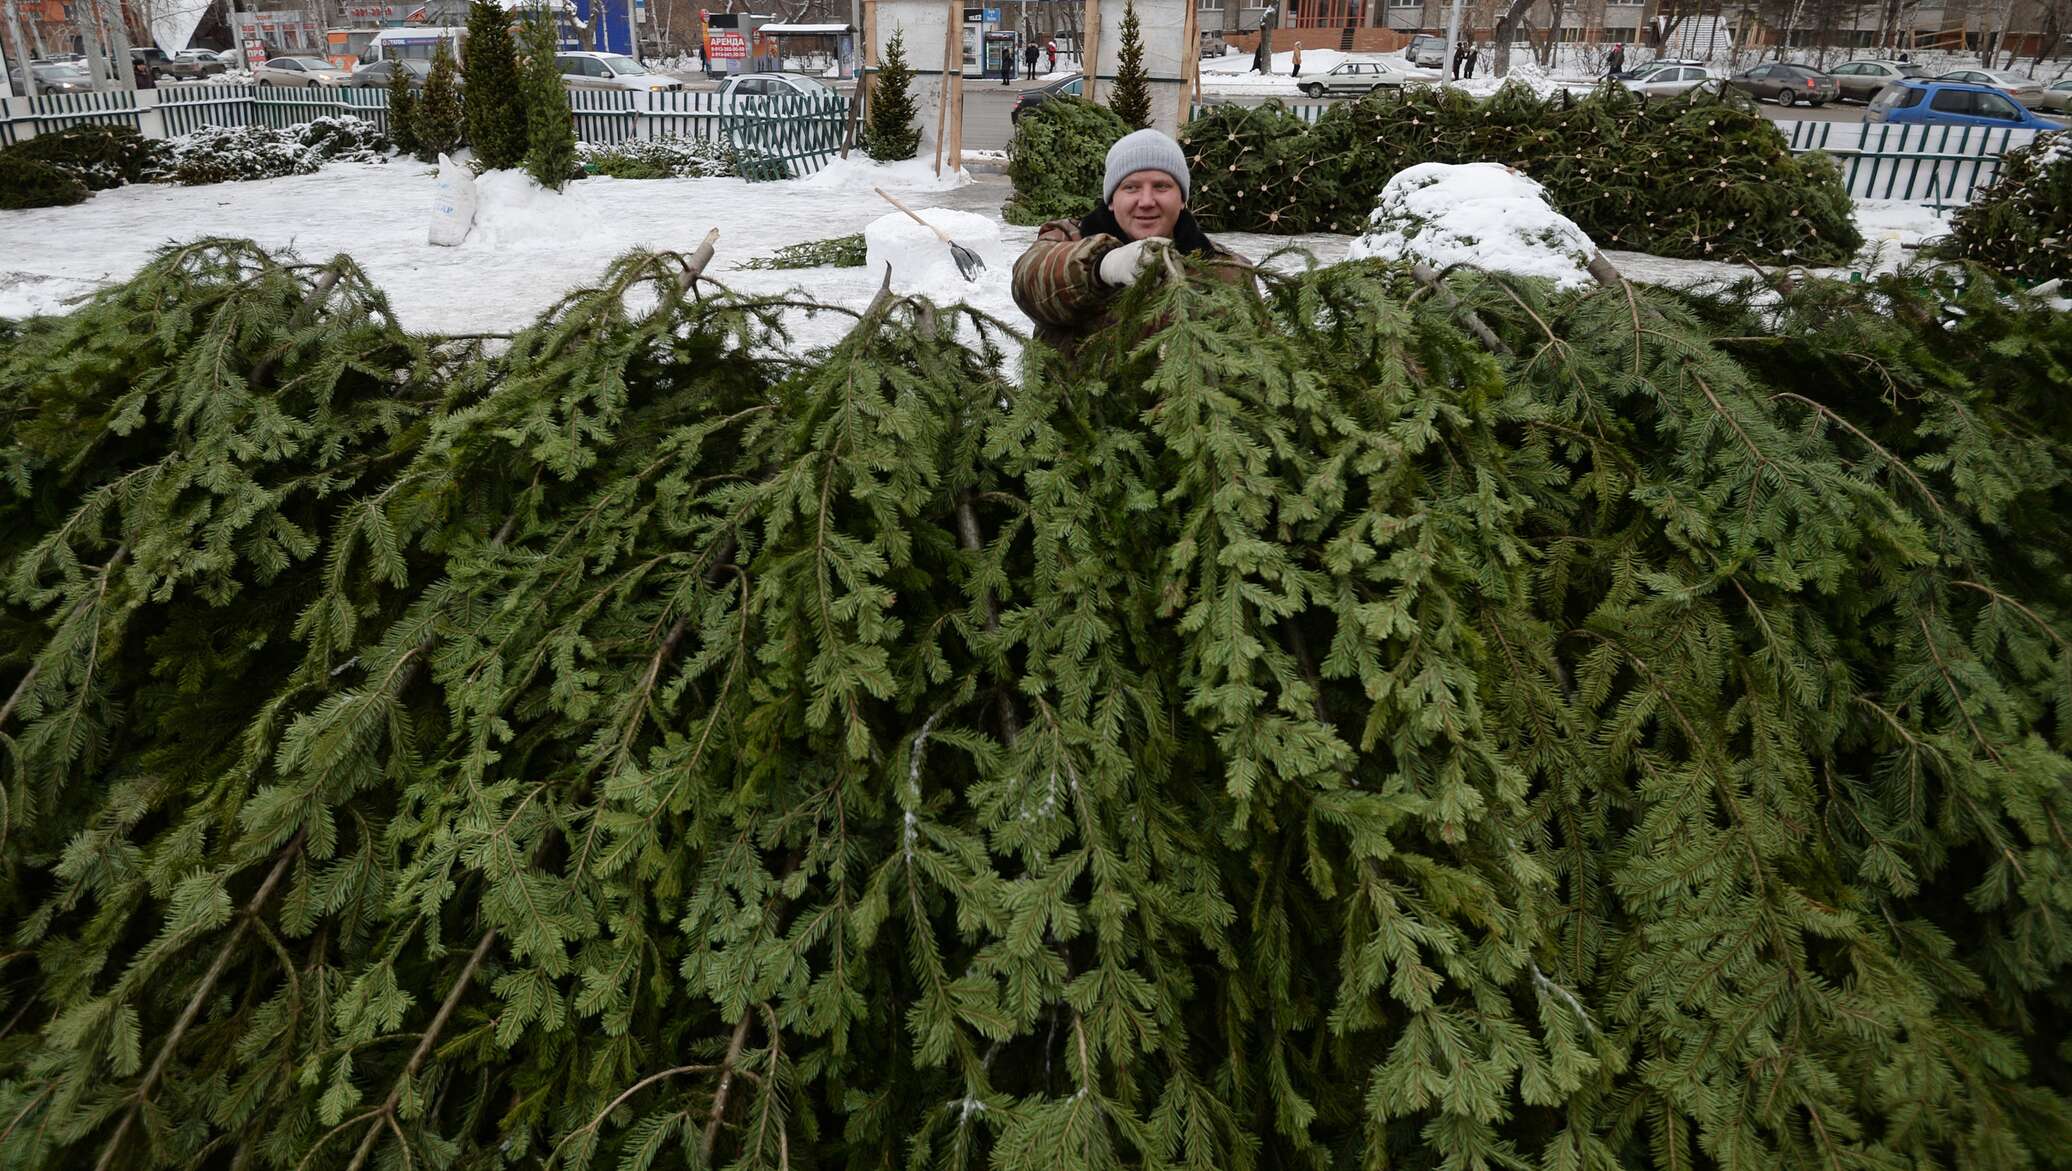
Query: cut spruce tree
point(2020, 225)
point(1130, 97)
point(550, 151)
point(889, 134)
point(439, 120)
point(1371, 722)
point(402, 111)
point(491, 98)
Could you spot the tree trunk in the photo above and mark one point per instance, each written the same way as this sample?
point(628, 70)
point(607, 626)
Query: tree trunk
point(1506, 32)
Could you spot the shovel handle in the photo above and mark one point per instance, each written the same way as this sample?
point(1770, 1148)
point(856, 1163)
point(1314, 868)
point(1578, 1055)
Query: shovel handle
point(939, 233)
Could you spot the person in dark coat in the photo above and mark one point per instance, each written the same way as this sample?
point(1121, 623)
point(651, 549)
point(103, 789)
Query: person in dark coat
point(1029, 60)
point(1474, 59)
point(1460, 58)
point(1616, 63)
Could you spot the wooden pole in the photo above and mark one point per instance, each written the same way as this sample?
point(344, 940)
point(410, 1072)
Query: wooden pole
point(952, 66)
point(1190, 68)
point(1090, 47)
point(956, 129)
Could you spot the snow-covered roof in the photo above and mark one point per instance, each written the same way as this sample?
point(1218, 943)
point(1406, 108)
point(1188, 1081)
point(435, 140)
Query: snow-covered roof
point(824, 30)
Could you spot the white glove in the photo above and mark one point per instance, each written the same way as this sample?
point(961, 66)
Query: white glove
point(1121, 265)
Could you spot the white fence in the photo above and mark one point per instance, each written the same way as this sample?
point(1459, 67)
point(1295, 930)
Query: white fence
point(789, 135)
point(1939, 166)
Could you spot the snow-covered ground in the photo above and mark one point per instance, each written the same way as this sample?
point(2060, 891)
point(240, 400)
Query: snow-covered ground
point(529, 246)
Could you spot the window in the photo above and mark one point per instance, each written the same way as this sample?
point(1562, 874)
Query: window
point(1846, 70)
point(1952, 101)
point(1994, 106)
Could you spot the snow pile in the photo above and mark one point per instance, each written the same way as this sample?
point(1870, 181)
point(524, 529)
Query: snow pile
point(1483, 214)
point(921, 262)
point(858, 173)
point(513, 212)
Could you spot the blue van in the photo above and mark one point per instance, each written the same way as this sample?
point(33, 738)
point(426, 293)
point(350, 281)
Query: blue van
point(1951, 103)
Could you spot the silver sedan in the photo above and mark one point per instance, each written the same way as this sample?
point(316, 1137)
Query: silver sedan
point(1670, 81)
point(1359, 77)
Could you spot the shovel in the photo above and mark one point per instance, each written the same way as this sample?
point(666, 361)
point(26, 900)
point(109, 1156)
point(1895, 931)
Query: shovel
point(968, 262)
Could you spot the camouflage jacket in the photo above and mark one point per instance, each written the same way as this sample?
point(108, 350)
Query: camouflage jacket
point(1057, 282)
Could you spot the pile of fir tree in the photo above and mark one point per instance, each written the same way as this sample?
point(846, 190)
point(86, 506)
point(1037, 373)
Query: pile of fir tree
point(1057, 158)
point(1700, 177)
point(2021, 225)
point(1364, 723)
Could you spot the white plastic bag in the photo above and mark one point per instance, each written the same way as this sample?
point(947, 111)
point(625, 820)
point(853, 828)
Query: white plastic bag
point(453, 205)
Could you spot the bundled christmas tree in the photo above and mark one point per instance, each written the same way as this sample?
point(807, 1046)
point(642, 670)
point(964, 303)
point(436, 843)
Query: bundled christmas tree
point(1702, 177)
point(890, 134)
point(439, 122)
point(550, 152)
point(1356, 724)
point(491, 97)
point(1130, 97)
point(2021, 225)
point(402, 111)
point(1056, 159)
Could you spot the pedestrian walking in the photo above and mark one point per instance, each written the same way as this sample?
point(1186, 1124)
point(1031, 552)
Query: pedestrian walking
point(1006, 64)
point(1616, 63)
point(1029, 60)
point(1295, 60)
point(1474, 59)
point(1460, 58)
point(1051, 47)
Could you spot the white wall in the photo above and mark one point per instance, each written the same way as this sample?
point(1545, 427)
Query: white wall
point(925, 23)
point(1163, 26)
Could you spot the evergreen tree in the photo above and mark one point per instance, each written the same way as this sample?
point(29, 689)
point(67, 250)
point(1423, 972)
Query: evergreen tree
point(550, 155)
point(439, 123)
point(491, 96)
point(1131, 96)
point(402, 110)
point(1321, 727)
point(890, 135)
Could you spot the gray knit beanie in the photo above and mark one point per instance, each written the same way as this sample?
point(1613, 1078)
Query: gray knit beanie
point(1145, 150)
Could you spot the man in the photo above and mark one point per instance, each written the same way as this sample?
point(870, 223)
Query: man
point(1070, 276)
point(1295, 61)
point(1474, 59)
point(1029, 61)
point(1460, 57)
point(1616, 63)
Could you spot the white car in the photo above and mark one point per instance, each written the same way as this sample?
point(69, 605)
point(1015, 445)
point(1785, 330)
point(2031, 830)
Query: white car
point(307, 72)
point(610, 71)
point(1359, 77)
point(2026, 90)
point(1670, 81)
point(2057, 96)
point(751, 88)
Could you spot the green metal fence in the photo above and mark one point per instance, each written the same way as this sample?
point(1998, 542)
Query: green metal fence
point(777, 137)
point(1940, 166)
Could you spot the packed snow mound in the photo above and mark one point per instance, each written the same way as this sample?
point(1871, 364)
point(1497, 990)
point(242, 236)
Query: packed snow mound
point(1483, 214)
point(859, 173)
point(921, 262)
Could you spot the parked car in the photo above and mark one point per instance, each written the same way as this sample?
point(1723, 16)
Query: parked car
point(1951, 103)
point(377, 74)
point(1643, 70)
point(1671, 81)
point(1359, 77)
point(231, 58)
point(1786, 84)
point(185, 65)
point(1070, 87)
point(751, 89)
point(2056, 96)
point(610, 71)
point(1860, 81)
point(2026, 90)
point(53, 77)
point(307, 72)
point(1426, 51)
